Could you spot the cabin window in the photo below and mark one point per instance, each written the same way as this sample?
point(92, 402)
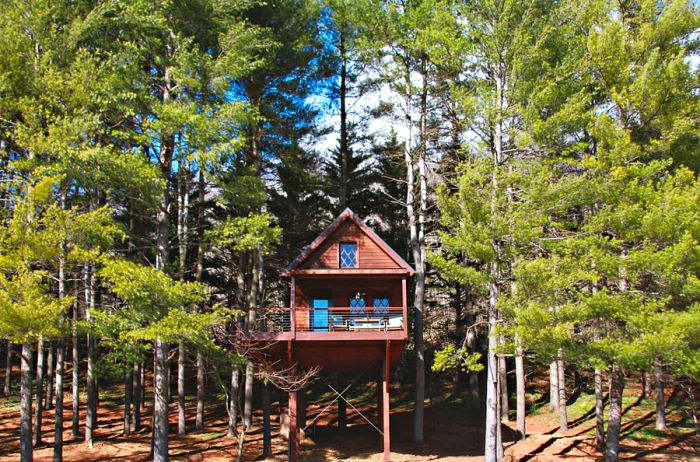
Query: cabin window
point(381, 304)
point(357, 303)
point(348, 255)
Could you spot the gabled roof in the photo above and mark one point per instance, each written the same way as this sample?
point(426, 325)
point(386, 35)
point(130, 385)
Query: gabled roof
point(348, 214)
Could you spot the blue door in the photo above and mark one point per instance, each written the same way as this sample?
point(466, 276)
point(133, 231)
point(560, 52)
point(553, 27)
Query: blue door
point(319, 314)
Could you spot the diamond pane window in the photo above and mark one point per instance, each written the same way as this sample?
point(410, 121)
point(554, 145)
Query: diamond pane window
point(348, 255)
point(357, 304)
point(381, 303)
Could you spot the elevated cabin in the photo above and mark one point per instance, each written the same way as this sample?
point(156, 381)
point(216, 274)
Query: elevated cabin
point(347, 313)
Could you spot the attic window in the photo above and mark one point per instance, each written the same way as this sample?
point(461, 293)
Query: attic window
point(348, 255)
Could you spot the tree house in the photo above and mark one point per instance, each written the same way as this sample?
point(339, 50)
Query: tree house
point(347, 313)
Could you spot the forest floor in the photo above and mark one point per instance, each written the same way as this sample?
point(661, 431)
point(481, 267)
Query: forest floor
point(451, 434)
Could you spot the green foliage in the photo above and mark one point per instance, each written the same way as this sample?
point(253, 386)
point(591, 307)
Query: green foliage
point(254, 232)
point(452, 357)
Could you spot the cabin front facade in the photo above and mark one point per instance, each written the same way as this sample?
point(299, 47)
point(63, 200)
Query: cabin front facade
point(347, 311)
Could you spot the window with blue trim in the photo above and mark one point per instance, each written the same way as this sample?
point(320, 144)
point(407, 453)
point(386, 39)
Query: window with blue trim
point(381, 304)
point(357, 304)
point(348, 255)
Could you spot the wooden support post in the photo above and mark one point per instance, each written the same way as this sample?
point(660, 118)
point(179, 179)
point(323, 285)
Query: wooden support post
point(267, 434)
point(293, 427)
point(380, 395)
point(301, 411)
point(386, 363)
point(342, 406)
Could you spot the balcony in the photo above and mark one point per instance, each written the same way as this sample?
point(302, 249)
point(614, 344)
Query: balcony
point(325, 324)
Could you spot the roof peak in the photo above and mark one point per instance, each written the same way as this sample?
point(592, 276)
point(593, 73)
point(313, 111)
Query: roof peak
point(347, 213)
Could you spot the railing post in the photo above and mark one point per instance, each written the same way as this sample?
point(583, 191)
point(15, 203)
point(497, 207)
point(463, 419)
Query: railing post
point(404, 305)
point(293, 308)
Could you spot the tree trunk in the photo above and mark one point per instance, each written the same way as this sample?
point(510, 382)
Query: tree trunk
point(91, 404)
point(492, 417)
point(520, 392)
point(181, 419)
point(128, 394)
point(60, 358)
point(473, 381)
point(25, 407)
point(160, 410)
point(599, 411)
point(8, 370)
point(248, 402)
point(660, 396)
point(75, 427)
point(49, 378)
point(199, 421)
point(233, 403)
point(503, 383)
point(267, 434)
point(58, 420)
point(39, 410)
point(553, 386)
point(138, 396)
point(563, 417)
point(617, 385)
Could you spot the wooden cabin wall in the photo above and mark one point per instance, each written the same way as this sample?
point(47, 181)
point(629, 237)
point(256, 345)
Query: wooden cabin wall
point(327, 255)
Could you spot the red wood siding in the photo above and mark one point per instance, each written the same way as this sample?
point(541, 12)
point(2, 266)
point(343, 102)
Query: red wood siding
point(370, 255)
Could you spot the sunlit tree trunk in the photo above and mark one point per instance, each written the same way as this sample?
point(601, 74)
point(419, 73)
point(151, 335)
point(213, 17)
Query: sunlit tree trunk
point(554, 386)
point(563, 417)
point(599, 411)
point(520, 391)
point(138, 396)
point(26, 451)
point(617, 385)
point(49, 377)
point(181, 423)
point(8, 370)
point(660, 396)
point(39, 409)
point(233, 403)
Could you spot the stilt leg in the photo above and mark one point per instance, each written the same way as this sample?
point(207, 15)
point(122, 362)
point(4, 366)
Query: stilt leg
point(385, 404)
point(342, 406)
point(293, 428)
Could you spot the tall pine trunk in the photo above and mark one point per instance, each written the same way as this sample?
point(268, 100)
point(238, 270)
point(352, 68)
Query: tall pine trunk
point(160, 409)
point(563, 416)
point(492, 418)
point(232, 404)
point(26, 451)
point(49, 377)
point(554, 386)
point(617, 385)
point(599, 411)
point(503, 384)
point(199, 272)
point(8, 370)
point(138, 396)
point(60, 357)
point(91, 382)
point(58, 420)
point(199, 420)
point(520, 391)
point(181, 422)
point(660, 396)
point(39, 410)
point(75, 388)
point(128, 398)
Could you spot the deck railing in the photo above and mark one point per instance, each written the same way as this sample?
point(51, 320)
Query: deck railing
point(346, 319)
point(341, 319)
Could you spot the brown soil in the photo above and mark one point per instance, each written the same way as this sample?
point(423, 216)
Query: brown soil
point(451, 435)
